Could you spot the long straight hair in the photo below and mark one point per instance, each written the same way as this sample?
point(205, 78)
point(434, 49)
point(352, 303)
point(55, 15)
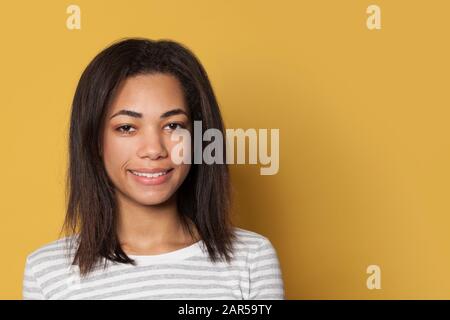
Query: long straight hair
point(204, 197)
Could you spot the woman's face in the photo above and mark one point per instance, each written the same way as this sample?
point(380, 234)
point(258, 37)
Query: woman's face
point(140, 141)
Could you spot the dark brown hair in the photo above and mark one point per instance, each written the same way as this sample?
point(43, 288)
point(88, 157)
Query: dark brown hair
point(91, 214)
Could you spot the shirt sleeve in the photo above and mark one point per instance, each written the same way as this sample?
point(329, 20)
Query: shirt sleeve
point(266, 281)
point(30, 288)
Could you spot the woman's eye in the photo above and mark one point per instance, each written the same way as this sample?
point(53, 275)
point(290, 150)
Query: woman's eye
point(174, 126)
point(124, 129)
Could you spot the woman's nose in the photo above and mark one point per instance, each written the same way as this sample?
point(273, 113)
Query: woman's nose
point(152, 145)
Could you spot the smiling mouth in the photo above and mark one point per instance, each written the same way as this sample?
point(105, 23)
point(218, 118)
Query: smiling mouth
point(152, 175)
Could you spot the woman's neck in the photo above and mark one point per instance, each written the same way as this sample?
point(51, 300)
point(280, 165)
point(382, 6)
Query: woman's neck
point(151, 229)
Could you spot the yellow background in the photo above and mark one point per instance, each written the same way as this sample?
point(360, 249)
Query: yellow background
point(363, 118)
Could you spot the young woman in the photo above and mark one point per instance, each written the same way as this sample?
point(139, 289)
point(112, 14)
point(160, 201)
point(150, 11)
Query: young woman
point(138, 224)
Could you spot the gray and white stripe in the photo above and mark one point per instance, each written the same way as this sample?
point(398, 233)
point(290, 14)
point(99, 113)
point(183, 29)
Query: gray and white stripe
point(254, 273)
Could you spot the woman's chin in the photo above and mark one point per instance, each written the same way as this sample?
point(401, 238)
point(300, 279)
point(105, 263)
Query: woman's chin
point(153, 200)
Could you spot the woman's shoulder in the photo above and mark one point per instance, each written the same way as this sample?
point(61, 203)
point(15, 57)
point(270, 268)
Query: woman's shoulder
point(251, 239)
point(48, 252)
point(258, 252)
point(264, 269)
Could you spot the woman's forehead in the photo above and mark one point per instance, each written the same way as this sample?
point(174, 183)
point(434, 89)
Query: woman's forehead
point(151, 95)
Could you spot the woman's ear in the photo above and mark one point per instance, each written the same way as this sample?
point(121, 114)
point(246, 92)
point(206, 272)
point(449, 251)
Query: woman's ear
point(100, 151)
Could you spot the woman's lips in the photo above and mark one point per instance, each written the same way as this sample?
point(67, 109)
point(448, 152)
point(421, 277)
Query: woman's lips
point(151, 181)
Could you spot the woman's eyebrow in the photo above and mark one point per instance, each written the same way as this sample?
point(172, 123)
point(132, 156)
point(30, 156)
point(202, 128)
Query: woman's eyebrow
point(173, 112)
point(129, 113)
point(135, 114)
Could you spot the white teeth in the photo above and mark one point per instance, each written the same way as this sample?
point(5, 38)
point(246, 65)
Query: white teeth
point(149, 175)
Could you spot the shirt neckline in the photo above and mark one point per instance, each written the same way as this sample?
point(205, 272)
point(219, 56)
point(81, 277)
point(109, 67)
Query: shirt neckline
point(174, 255)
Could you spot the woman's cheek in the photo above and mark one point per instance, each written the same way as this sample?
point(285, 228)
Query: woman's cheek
point(184, 169)
point(116, 155)
point(174, 146)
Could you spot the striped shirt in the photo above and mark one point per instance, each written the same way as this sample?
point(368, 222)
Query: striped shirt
point(253, 273)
